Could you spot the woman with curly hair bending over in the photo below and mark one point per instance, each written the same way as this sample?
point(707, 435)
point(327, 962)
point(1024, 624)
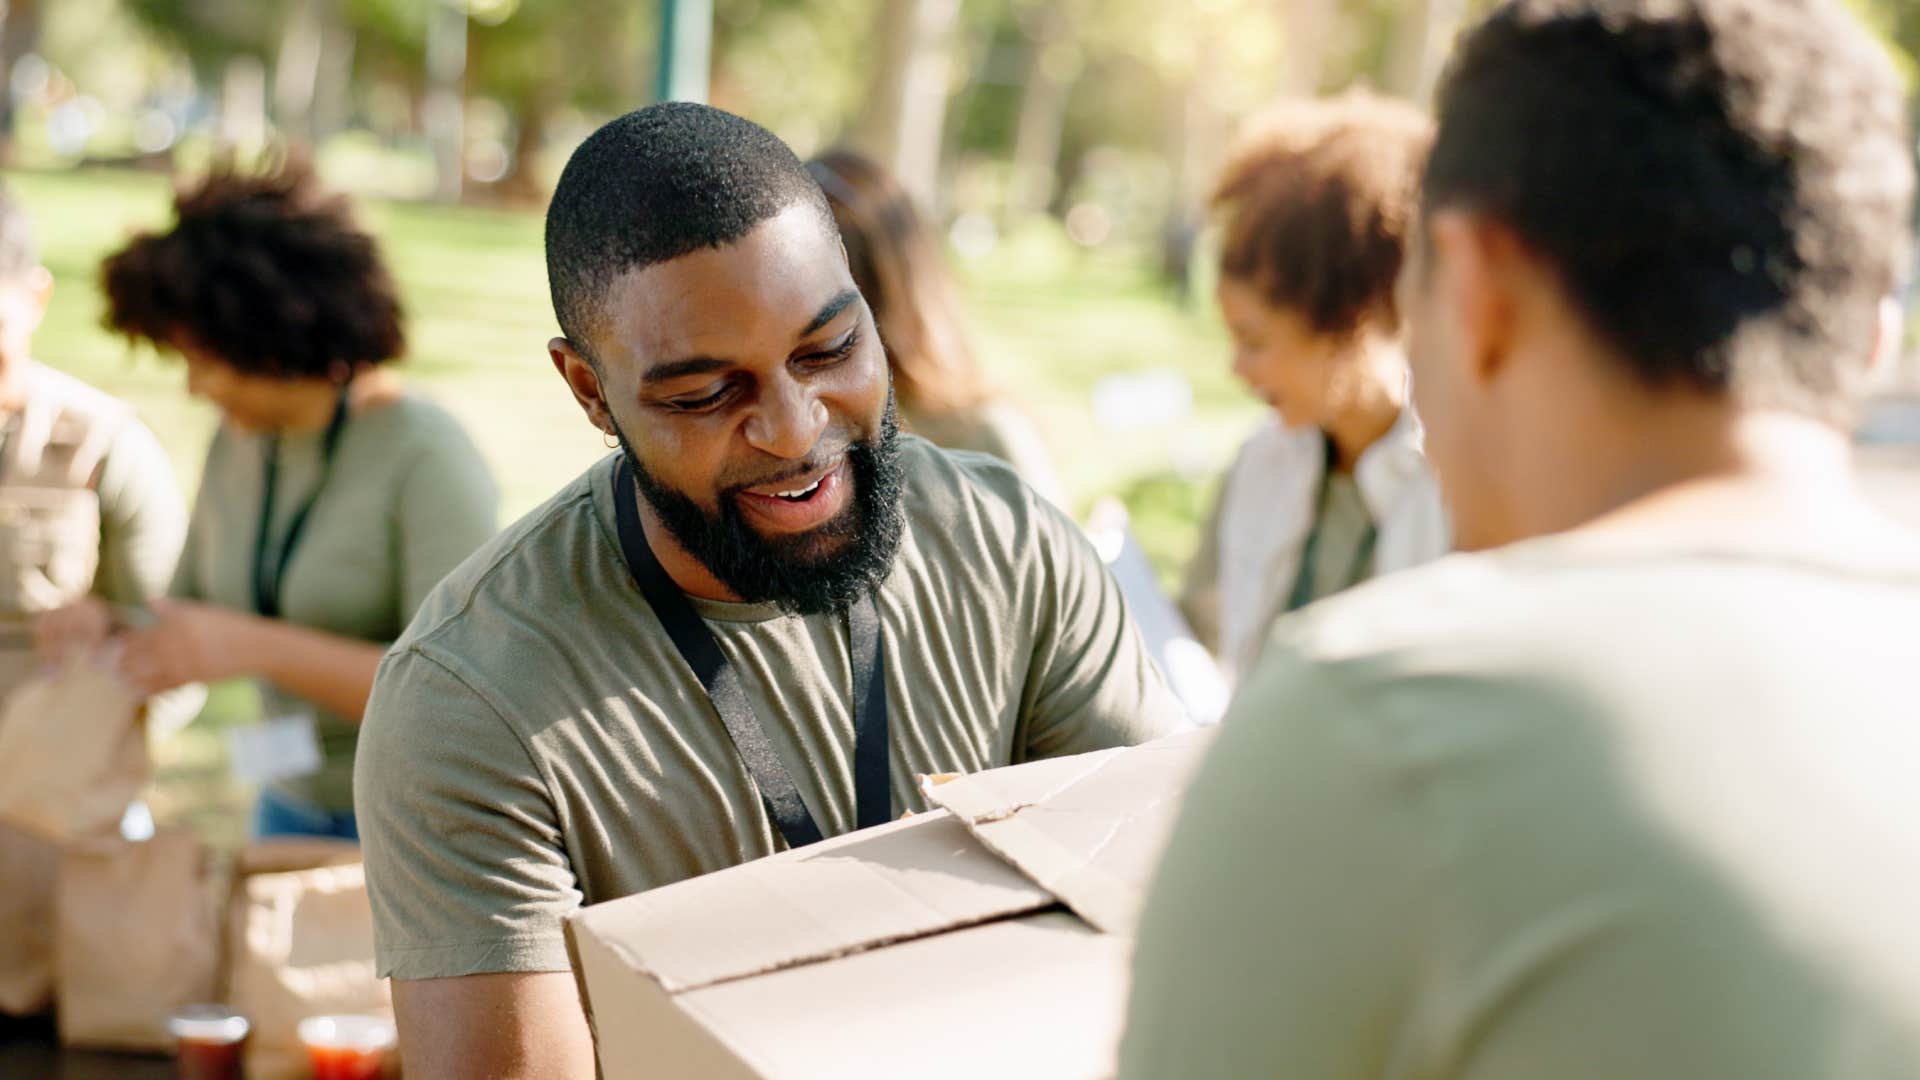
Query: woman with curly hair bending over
point(333, 498)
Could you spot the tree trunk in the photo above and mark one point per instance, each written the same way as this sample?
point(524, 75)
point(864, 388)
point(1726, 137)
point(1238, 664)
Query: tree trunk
point(522, 183)
point(333, 90)
point(905, 115)
point(1421, 39)
point(19, 33)
point(1310, 27)
point(296, 67)
point(446, 98)
point(1051, 70)
point(243, 105)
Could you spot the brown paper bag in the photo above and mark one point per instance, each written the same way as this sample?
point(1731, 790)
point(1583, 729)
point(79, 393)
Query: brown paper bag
point(135, 938)
point(27, 866)
point(300, 944)
point(72, 753)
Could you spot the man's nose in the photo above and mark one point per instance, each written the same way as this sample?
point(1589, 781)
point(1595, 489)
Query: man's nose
point(788, 422)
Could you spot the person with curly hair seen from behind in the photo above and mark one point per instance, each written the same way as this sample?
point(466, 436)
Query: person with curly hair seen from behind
point(1333, 488)
point(942, 394)
point(333, 498)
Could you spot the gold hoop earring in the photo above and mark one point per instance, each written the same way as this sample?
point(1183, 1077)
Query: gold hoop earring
point(612, 440)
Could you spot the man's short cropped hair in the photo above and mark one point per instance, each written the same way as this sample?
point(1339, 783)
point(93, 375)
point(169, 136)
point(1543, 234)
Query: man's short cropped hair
point(1316, 204)
point(1722, 186)
point(656, 184)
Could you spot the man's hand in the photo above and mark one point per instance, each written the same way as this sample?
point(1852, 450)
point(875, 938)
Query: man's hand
point(73, 630)
point(185, 643)
point(497, 1027)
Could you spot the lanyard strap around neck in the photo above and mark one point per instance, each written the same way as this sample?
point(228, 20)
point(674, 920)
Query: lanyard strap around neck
point(872, 782)
point(1303, 581)
point(270, 570)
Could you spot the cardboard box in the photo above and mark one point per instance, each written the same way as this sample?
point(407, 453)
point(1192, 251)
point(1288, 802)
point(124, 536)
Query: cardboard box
point(987, 939)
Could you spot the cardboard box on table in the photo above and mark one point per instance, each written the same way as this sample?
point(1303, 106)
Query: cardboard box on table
point(989, 938)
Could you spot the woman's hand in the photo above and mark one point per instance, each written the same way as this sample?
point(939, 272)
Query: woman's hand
point(186, 642)
point(74, 630)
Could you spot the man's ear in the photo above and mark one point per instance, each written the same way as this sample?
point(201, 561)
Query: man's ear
point(584, 380)
point(1474, 261)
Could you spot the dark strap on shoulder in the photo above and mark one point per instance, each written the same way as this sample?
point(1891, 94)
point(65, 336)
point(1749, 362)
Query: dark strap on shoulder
point(872, 777)
point(270, 570)
point(697, 646)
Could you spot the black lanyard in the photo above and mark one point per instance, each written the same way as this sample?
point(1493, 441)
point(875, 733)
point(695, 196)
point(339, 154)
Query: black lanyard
point(1302, 593)
point(872, 784)
point(270, 571)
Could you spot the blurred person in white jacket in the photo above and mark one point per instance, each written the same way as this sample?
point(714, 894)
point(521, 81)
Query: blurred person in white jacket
point(1332, 488)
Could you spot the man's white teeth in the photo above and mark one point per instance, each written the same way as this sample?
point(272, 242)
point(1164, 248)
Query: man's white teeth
point(800, 493)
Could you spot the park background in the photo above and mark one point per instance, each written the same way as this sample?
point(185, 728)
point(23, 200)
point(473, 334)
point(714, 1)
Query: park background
point(1063, 147)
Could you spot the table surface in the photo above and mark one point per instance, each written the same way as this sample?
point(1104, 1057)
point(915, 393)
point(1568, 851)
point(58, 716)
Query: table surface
point(30, 1050)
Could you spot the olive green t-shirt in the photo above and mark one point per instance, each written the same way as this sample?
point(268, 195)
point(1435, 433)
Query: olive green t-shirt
point(1554, 812)
point(407, 499)
point(535, 742)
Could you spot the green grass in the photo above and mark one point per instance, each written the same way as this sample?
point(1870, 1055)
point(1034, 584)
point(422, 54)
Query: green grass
point(1051, 320)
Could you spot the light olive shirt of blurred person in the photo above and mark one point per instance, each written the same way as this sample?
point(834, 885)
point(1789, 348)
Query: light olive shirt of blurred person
point(535, 742)
point(408, 497)
point(142, 516)
point(998, 429)
point(1557, 812)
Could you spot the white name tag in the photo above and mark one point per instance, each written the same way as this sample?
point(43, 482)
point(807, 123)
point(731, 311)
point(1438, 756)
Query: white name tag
point(279, 749)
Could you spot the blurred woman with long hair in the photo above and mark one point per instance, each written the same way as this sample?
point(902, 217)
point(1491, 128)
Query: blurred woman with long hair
point(942, 394)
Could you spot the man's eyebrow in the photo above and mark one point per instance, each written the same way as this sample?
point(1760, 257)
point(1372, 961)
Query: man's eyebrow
point(674, 369)
point(831, 310)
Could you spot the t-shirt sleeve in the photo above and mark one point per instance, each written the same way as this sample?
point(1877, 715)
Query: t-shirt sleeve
point(1278, 937)
point(1092, 683)
point(466, 865)
point(143, 521)
point(448, 508)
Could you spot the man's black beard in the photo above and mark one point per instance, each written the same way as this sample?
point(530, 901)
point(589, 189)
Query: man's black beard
point(824, 570)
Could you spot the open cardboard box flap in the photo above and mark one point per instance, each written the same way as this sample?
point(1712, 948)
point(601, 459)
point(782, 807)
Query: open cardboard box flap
point(902, 880)
point(923, 946)
point(1090, 828)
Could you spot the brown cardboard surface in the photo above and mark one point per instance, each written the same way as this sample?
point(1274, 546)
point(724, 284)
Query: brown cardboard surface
point(930, 947)
point(1041, 995)
point(1090, 828)
point(895, 881)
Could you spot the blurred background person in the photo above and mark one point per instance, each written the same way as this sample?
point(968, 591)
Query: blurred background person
point(942, 394)
point(91, 506)
point(1332, 488)
point(333, 499)
point(88, 508)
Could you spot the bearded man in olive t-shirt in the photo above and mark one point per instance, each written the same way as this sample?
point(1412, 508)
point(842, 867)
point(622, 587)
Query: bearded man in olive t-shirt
point(750, 628)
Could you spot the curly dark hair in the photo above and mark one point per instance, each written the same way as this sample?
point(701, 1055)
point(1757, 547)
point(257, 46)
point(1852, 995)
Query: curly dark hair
point(267, 271)
point(1722, 185)
point(1317, 202)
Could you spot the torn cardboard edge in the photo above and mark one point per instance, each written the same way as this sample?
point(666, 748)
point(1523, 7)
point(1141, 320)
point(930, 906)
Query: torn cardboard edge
point(1022, 813)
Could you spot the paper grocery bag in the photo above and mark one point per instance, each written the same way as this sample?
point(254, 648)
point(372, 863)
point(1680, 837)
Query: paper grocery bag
point(300, 944)
point(72, 753)
point(27, 866)
point(135, 938)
